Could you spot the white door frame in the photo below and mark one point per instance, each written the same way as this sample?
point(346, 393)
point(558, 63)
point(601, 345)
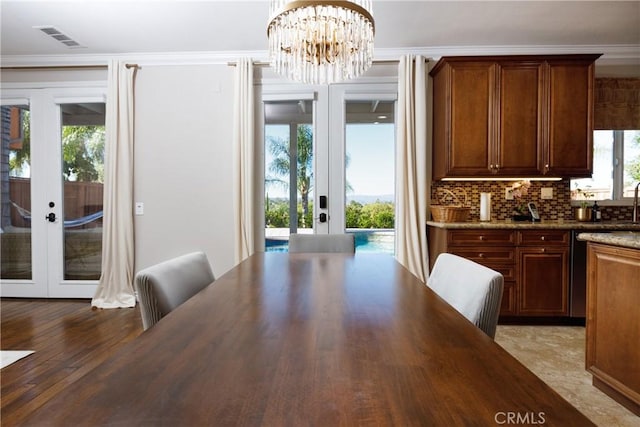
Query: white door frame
point(329, 140)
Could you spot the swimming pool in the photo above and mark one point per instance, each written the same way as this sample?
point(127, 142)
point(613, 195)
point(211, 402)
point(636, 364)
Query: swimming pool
point(376, 240)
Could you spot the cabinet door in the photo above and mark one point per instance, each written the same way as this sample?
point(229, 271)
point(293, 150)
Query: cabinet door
point(509, 303)
point(472, 97)
point(544, 281)
point(519, 142)
point(570, 123)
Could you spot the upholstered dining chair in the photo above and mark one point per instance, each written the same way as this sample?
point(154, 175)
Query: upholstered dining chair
point(164, 286)
point(472, 289)
point(322, 243)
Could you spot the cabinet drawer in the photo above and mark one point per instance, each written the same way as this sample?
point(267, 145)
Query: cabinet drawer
point(487, 255)
point(543, 237)
point(481, 237)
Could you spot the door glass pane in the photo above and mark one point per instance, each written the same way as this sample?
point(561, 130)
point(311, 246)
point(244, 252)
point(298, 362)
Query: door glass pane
point(289, 150)
point(370, 179)
point(83, 139)
point(15, 228)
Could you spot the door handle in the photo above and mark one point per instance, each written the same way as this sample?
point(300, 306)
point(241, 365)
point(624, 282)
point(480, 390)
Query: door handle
point(51, 217)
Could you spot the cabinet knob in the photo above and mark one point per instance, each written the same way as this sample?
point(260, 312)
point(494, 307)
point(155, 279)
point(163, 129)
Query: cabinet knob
point(481, 237)
point(543, 250)
point(541, 237)
point(480, 255)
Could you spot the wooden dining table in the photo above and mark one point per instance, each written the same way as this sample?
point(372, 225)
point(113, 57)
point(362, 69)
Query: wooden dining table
point(311, 340)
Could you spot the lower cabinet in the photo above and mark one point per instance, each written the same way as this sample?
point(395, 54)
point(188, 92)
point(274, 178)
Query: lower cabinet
point(534, 263)
point(543, 279)
point(613, 322)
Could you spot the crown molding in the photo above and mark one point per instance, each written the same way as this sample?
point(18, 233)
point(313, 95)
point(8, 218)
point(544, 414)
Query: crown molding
point(611, 55)
point(142, 59)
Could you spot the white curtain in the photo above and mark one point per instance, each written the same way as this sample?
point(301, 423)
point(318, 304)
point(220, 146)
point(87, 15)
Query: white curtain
point(115, 289)
point(243, 143)
point(411, 167)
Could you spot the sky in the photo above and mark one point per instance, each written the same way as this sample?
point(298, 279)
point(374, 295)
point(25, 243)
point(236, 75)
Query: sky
point(371, 159)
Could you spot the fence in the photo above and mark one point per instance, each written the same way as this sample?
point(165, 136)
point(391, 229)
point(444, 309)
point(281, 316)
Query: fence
point(80, 199)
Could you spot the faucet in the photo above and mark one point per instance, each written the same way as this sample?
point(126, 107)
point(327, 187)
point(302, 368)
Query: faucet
point(635, 204)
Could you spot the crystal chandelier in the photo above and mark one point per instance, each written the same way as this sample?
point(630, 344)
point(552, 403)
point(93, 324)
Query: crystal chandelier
point(320, 41)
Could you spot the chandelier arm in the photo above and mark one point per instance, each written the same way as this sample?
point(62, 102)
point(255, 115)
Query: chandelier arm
point(299, 4)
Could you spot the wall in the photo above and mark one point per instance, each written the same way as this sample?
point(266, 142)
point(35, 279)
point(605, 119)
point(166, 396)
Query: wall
point(183, 167)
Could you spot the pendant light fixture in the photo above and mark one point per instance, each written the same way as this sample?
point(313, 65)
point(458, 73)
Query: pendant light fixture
point(320, 42)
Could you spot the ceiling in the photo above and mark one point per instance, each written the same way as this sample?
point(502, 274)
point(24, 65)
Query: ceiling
point(229, 28)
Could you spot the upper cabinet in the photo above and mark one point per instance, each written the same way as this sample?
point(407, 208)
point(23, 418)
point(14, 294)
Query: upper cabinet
point(513, 116)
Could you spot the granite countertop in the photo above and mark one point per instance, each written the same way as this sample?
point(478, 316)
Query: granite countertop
point(625, 239)
point(550, 224)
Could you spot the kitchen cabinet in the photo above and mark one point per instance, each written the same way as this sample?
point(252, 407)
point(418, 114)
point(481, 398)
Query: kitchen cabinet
point(613, 322)
point(534, 263)
point(569, 149)
point(513, 116)
point(543, 260)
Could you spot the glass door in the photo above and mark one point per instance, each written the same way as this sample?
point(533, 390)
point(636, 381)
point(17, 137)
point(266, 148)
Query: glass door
point(82, 131)
point(52, 178)
point(289, 167)
point(362, 164)
point(295, 157)
point(15, 177)
point(337, 144)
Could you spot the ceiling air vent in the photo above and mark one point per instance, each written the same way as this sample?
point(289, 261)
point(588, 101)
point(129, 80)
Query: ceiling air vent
point(59, 36)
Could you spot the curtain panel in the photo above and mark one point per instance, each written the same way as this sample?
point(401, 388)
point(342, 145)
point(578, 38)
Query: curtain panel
point(115, 289)
point(411, 167)
point(617, 104)
point(244, 158)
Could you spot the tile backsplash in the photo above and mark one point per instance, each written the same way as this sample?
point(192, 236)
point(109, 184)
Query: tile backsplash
point(559, 207)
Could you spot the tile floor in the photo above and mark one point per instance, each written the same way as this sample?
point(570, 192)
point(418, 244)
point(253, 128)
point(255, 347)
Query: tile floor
point(556, 354)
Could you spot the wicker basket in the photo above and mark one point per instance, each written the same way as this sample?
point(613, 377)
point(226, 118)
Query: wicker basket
point(456, 212)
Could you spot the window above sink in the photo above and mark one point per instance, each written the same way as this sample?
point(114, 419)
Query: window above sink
point(616, 168)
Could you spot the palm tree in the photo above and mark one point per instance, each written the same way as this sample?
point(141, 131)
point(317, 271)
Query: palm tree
point(281, 165)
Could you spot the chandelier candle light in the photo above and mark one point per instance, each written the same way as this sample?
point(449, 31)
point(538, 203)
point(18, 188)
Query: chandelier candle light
point(320, 42)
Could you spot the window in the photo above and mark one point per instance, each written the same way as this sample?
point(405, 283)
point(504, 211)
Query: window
point(616, 167)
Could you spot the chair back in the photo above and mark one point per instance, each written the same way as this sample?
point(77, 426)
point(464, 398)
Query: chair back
point(472, 289)
point(163, 287)
point(322, 243)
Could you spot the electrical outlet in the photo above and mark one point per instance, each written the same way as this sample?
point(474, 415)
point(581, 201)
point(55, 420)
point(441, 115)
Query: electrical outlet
point(508, 195)
point(139, 208)
point(546, 193)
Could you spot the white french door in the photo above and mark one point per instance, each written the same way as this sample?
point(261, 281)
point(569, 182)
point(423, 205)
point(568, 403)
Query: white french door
point(52, 171)
point(306, 157)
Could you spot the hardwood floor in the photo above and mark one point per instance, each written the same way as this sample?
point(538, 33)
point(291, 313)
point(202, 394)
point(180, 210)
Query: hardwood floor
point(69, 339)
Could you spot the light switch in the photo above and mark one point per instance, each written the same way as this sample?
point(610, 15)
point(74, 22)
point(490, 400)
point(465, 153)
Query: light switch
point(546, 193)
point(139, 208)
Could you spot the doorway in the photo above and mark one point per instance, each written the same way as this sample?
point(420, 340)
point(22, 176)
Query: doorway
point(52, 180)
point(336, 144)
